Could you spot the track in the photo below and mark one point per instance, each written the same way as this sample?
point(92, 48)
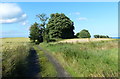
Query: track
point(60, 70)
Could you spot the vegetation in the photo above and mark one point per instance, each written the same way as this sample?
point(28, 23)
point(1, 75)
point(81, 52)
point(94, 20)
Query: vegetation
point(43, 18)
point(83, 34)
point(36, 33)
point(14, 54)
point(17, 59)
point(93, 59)
point(101, 36)
point(60, 26)
point(47, 69)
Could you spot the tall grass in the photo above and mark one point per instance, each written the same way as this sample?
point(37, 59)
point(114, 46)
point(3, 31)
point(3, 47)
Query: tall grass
point(93, 59)
point(14, 53)
point(47, 69)
point(17, 57)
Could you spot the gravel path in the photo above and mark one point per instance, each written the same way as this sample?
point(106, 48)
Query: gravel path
point(60, 70)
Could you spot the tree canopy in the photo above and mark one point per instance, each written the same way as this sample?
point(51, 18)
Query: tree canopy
point(36, 33)
point(84, 34)
point(43, 19)
point(60, 26)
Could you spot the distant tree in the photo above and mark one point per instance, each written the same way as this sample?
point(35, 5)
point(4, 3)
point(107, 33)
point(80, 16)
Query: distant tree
point(77, 35)
point(43, 18)
point(60, 26)
point(107, 36)
point(95, 36)
point(36, 33)
point(84, 34)
point(101, 36)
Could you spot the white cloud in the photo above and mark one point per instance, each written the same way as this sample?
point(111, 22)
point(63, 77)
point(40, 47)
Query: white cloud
point(77, 13)
point(74, 13)
point(11, 13)
point(82, 18)
point(24, 23)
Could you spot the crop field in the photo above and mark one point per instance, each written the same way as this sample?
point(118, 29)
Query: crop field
point(84, 40)
point(91, 59)
point(14, 53)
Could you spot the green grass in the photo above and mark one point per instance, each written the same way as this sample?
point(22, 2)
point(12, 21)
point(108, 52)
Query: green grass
point(47, 69)
point(93, 59)
point(14, 54)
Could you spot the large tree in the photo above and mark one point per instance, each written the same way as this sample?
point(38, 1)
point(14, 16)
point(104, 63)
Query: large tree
point(43, 19)
point(36, 33)
point(60, 26)
point(84, 34)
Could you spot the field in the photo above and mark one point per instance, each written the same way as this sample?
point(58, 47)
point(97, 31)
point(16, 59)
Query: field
point(20, 58)
point(14, 54)
point(81, 40)
point(91, 59)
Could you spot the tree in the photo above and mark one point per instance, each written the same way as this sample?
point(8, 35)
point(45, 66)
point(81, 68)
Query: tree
point(36, 33)
point(84, 34)
point(76, 35)
point(60, 26)
point(96, 36)
point(43, 18)
point(101, 36)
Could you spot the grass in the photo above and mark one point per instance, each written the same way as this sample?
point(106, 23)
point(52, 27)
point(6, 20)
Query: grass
point(14, 54)
point(47, 69)
point(93, 59)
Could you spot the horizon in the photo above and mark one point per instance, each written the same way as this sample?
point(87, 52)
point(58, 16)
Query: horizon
point(97, 17)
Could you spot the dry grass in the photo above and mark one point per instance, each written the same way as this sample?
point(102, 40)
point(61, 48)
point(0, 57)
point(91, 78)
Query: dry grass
point(80, 40)
point(13, 52)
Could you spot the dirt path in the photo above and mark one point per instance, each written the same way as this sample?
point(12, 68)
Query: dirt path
point(60, 70)
point(33, 65)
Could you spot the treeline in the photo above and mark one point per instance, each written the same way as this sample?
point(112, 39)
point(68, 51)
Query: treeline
point(57, 26)
point(101, 36)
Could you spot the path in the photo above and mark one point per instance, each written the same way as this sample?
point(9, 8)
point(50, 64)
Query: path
point(33, 65)
point(60, 70)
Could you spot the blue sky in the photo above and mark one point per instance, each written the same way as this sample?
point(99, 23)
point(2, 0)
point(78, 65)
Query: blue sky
point(97, 17)
point(59, 0)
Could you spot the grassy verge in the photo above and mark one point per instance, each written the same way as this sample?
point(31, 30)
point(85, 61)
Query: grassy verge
point(47, 69)
point(93, 59)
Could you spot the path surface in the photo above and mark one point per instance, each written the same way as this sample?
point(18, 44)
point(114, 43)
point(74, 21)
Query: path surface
point(60, 70)
point(33, 65)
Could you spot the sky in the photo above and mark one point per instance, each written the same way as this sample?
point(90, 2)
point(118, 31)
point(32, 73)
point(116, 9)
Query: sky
point(97, 17)
point(60, 0)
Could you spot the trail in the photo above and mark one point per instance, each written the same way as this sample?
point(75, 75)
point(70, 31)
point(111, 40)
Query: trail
point(60, 70)
point(33, 65)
